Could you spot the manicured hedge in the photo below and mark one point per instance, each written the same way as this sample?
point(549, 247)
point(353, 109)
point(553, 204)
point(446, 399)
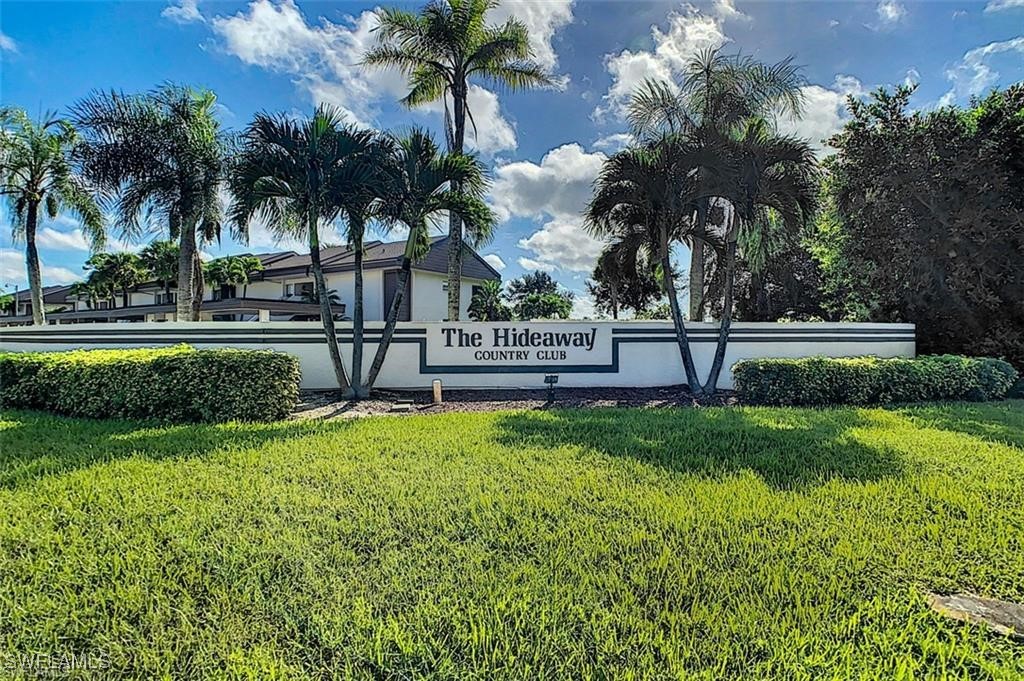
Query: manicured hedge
point(871, 380)
point(172, 384)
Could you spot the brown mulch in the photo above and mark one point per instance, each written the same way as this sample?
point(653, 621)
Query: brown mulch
point(322, 404)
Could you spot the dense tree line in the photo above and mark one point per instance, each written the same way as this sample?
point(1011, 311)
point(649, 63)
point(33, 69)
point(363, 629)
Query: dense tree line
point(924, 221)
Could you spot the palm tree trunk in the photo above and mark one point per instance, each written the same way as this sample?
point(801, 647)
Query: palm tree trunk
point(186, 253)
point(197, 285)
point(35, 279)
point(326, 315)
point(726, 322)
point(697, 263)
point(358, 390)
point(392, 319)
point(454, 222)
point(677, 318)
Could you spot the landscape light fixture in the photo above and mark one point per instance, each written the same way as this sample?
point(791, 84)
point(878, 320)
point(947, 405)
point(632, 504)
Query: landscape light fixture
point(551, 379)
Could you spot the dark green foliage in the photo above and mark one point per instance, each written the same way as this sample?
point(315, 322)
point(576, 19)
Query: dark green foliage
point(922, 221)
point(537, 296)
point(872, 380)
point(488, 303)
point(170, 384)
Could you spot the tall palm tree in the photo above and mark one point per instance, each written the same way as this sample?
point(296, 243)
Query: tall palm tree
point(164, 154)
point(358, 209)
point(773, 182)
point(441, 49)
point(716, 96)
point(422, 187)
point(292, 174)
point(36, 170)
point(645, 195)
point(161, 258)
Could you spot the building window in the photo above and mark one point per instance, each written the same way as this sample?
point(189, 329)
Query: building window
point(300, 290)
point(225, 292)
point(166, 298)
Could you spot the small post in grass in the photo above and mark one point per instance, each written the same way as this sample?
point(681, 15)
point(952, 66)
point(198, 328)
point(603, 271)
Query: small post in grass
point(437, 391)
point(551, 379)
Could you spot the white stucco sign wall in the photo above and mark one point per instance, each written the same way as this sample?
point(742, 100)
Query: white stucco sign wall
point(501, 354)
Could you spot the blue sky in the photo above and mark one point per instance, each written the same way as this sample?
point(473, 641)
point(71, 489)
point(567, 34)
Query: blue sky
point(544, 147)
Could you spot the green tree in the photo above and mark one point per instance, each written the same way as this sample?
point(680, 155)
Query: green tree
point(163, 153)
point(89, 292)
point(422, 185)
point(645, 194)
point(232, 270)
point(488, 303)
point(113, 272)
point(715, 97)
point(923, 221)
point(442, 49)
point(161, 258)
point(292, 174)
point(536, 295)
point(622, 279)
point(37, 170)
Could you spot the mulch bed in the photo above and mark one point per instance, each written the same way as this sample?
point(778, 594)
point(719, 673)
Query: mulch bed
point(314, 404)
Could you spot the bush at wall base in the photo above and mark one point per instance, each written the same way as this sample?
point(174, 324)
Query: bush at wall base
point(172, 384)
point(871, 380)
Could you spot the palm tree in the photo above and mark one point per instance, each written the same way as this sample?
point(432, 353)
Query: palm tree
point(292, 174)
point(87, 291)
point(773, 182)
point(441, 50)
point(36, 169)
point(232, 270)
point(164, 154)
point(717, 95)
point(358, 209)
point(422, 185)
point(117, 271)
point(645, 195)
point(161, 258)
point(488, 303)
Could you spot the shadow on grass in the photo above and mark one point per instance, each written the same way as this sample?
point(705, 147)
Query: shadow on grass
point(997, 422)
point(787, 448)
point(34, 445)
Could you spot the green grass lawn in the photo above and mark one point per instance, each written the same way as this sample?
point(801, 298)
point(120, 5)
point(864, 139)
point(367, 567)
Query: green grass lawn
point(609, 544)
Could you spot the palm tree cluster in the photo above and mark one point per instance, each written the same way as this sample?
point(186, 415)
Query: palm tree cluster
point(708, 169)
point(301, 175)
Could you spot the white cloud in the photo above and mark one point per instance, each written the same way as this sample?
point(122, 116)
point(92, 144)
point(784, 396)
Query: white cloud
point(543, 18)
point(563, 244)
point(974, 73)
point(890, 12)
point(555, 191)
point(913, 77)
point(1000, 5)
point(832, 23)
point(559, 186)
point(495, 261)
point(726, 10)
point(689, 32)
point(583, 306)
point(183, 12)
point(492, 133)
point(13, 270)
point(529, 264)
point(824, 112)
point(323, 59)
point(48, 237)
point(7, 43)
point(613, 143)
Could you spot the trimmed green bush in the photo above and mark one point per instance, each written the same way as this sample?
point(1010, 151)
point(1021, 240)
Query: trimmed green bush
point(178, 383)
point(872, 380)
